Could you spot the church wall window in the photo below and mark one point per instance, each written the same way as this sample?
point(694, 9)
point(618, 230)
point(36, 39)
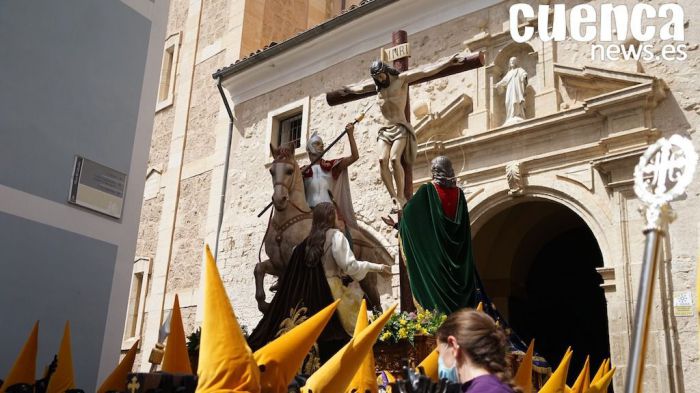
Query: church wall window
point(288, 125)
point(168, 71)
point(137, 302)
point(290, 131)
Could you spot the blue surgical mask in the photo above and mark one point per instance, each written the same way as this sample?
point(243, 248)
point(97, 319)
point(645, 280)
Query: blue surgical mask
point(447, 373)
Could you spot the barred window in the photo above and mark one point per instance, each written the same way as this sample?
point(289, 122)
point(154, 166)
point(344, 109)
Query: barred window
point(290, 131)
point(288, 126)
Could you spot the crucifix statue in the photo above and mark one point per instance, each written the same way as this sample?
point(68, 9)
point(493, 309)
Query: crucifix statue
point(396, 139)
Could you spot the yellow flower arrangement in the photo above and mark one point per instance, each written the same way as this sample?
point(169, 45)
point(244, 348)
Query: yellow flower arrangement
point(405, 326)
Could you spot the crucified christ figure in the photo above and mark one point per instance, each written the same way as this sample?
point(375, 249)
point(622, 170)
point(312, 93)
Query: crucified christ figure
point(396, 139)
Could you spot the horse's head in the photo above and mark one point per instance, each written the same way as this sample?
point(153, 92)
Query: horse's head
point(285, 173)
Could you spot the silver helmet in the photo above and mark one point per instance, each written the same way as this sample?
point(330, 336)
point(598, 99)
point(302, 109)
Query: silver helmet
point(314, 146)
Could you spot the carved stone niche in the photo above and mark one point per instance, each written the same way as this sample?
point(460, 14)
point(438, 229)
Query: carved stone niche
point(527, 59)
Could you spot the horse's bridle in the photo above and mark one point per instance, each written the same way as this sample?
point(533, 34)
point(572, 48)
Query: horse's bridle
point(283, 184)
point(303, 214)
point(289, 190)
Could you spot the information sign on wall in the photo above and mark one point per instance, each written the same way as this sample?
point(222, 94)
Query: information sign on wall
point(97, 187)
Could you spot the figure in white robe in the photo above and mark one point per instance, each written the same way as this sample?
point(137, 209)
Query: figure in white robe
point(513, 85)
point(338, 262)
point(322, 269)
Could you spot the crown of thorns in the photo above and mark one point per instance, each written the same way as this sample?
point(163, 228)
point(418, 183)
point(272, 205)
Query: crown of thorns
point(379, 67)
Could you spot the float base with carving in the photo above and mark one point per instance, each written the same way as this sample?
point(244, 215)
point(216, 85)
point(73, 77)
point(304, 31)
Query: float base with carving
point(392, 357)
point(161, 382)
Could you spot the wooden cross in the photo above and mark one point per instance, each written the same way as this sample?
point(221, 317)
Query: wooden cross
point(400, 53)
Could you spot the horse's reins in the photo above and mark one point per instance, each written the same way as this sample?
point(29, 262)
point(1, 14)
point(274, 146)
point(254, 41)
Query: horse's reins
point(289, 191)
point(285, 225)
point(262, 243)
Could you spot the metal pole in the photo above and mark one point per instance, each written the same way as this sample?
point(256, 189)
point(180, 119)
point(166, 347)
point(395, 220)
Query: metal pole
point(635, 366)
point(224, 177)
point(663, 174)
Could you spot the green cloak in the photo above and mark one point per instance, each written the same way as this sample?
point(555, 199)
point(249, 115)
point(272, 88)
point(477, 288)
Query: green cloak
point(438, 252)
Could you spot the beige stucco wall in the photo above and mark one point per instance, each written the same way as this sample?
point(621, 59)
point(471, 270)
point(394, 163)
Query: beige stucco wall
point(610, 211)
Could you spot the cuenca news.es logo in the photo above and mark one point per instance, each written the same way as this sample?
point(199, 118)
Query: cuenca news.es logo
point(586, 24)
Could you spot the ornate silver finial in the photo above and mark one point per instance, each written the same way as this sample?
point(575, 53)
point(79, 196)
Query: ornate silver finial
point(664, 172)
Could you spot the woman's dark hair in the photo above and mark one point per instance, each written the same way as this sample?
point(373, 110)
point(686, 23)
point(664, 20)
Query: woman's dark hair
point(323, 220)
point(480, 338)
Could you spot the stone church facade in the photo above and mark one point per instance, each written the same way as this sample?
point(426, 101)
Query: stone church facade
point(557, 237)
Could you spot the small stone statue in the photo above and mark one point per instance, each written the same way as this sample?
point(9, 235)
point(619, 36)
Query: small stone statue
point(513, 85)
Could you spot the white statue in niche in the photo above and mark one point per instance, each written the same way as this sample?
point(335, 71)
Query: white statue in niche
point(513, 84)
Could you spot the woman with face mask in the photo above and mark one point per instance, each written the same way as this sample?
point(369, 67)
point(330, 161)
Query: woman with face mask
point(472, 352)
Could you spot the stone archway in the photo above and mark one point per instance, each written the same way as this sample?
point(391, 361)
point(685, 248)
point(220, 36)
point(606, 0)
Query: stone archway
point(538, 259)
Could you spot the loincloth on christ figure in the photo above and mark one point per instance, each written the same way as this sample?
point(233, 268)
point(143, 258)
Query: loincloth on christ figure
point(392, 133)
